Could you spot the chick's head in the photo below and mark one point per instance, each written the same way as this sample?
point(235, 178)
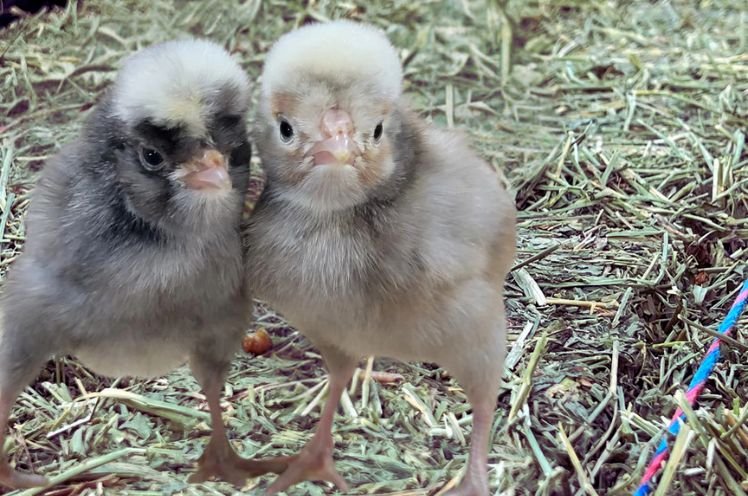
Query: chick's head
point(328, 114)
point(179, 108)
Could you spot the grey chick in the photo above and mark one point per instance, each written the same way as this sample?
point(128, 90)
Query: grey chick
point(377, 234)
point(133, 259)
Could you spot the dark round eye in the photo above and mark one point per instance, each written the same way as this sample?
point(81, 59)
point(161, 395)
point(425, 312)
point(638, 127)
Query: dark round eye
point(286, 131)
point(378, 132)
point(151, 159)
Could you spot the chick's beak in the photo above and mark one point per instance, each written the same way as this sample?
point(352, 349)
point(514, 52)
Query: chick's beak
point(207, 171)
point(338, 147)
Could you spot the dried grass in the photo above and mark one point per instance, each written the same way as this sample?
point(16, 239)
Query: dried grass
point(621, 128)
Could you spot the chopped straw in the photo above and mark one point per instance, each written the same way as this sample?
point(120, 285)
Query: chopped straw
point(618, 127)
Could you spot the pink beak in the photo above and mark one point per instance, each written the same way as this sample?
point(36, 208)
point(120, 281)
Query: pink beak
point(338, 146)
point(208, 172)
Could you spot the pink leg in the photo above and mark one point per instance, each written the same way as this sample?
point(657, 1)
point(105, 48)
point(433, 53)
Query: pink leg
point(481, 378)
point(475, 480)
point(315, 461)
point(8, 476)
point(219, 459)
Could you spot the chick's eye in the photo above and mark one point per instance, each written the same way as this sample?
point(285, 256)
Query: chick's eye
point(286, 131)
point(151, 159)
point(378, 132)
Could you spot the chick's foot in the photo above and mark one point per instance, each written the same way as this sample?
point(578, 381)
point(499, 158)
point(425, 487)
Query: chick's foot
point(19, 480)
point(8, 476)
point(313, 463)
point(220, 461)
point(469, 488)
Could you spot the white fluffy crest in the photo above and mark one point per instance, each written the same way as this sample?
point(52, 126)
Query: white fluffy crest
point(334, 49)
point(178, 82)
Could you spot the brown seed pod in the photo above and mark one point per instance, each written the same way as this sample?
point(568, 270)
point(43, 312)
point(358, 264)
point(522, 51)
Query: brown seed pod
point(701, 278)
point(257, 342)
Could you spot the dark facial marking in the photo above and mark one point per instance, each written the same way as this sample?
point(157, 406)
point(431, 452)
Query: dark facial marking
point(227, 132)
point(227, 123)
point(241, 155)
point(165, 139)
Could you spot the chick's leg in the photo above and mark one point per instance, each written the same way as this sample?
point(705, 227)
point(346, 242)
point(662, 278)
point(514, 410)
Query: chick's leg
point(219, 459)
point(20, 359)
point(314, 461)
point(475, 480)
point(481, 378)
point(8, 476)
